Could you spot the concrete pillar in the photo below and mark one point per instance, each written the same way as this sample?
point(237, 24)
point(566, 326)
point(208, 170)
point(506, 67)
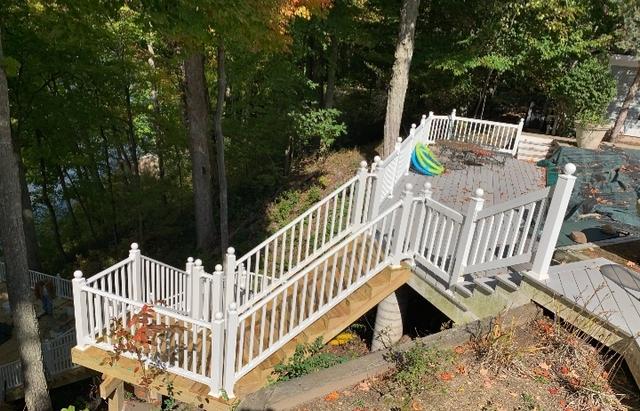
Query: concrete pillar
point(388, 328)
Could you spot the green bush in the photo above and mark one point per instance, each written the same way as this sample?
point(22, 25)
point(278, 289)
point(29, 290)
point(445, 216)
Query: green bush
point(306, 359)
point(585, 91)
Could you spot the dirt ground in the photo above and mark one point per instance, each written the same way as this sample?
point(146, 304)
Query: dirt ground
point(541, 366)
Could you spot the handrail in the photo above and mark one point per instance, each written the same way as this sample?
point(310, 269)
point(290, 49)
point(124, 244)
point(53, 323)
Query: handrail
point(109, 270)
point(297, 219)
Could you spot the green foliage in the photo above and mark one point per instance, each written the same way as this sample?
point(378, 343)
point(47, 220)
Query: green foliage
point(306, 359)
point(417, 366)
point(586, 91)
point(73, 408)
point(317, 129)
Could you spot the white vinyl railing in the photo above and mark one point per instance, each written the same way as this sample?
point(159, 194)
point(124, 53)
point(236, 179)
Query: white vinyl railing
point(301, 241)
point(239, 315)
point(305, 297)
point(56, 353)
point(62, 286)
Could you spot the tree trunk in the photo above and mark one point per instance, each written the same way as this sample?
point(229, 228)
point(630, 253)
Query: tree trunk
point(219, 137)
point(197, 118)
point(14, 244)
point(400, 74)
point(28, 220)
point(331, 73)
point(624, 110)
point(156, 122)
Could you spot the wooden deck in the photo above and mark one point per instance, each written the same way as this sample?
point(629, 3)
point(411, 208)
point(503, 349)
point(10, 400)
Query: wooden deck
point(607, 307)
point(500, 183)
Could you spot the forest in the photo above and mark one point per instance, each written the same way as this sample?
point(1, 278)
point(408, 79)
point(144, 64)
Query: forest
point(179, 124)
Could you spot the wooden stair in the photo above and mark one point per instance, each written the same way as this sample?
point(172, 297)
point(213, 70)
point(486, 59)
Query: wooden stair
point(329, 325)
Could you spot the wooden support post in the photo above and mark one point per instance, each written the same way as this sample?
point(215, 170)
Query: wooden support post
point(136, 272)
point(465, 238)
point(80, 309)
point(112, 390)
point(360, 215)
point(553, 223)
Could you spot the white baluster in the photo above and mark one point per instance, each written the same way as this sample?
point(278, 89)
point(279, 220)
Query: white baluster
point(465, 238)
point(553, 223)
point(217, 287)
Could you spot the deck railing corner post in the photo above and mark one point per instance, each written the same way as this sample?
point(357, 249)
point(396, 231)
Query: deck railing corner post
point(80, 309)
point(450, 124)
point(402, 230)
point(465, 238)
point(553, 223)
point(360, 215)
point(229, 276)
point(136, 272)
point(217, 287)
point(196, 301)
point(217, 354)
point(232, 323)
point(516, 143)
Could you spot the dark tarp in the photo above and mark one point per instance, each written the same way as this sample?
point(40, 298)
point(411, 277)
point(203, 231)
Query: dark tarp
point(607, 184)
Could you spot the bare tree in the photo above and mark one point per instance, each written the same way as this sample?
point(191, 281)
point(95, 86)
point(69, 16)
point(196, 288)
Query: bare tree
point(400, 74)
point(199, 125)
point(14, 245)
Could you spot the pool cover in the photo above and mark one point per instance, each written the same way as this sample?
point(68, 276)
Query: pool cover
point(607, 185)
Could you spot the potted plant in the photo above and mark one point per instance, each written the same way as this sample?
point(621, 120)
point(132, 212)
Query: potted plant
point(584, 93)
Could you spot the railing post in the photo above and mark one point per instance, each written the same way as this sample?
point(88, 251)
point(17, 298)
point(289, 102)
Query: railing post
point(451, 123)
point(229, 276)
point(59, 286)
point(196, 301)
point(553, 223)
point(217, 286)
point(217, 354)
point(514, 151)
point(230, 350)
point(396, 162)
point(358, 213)
point(403, 227)
point(136, 272)
point(188, 292)
point(80, 309)
point(429, 124)
point(376, 196)
point(465, 238)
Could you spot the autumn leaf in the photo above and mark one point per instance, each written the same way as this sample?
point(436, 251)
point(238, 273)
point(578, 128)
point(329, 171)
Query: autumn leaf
point(459, 349)
point(446, 376)
point(564, 370)
point(553, 390)
point(416, 406)
point(332, 396)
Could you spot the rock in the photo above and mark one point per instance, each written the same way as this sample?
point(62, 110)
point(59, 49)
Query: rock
point(579, 237)
point(609, 229)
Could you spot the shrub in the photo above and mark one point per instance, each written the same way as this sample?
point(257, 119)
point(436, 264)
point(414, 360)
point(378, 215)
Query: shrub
point(306, 359)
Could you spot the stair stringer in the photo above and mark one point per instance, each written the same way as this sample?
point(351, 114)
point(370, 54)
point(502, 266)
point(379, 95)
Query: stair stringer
point(342, 315)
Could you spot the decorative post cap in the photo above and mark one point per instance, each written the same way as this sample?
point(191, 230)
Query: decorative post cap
point(190, 259)
point(569, 169)
point(479, 193)
point(427, 186)
point(431, 114)
point(233, 307)
point(407, 189)
point(363, 165)
point(77, 274)
point(521, 120)
point(198, 262)
point(218, 267)
point(219, 316)
point(231, 250)
point(424, 116)
point(134, 246)
point(399, 140)
point(377, 159)
point(453, 112)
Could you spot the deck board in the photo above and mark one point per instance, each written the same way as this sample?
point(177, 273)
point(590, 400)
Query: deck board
point(454, 187)
point(582, 283)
